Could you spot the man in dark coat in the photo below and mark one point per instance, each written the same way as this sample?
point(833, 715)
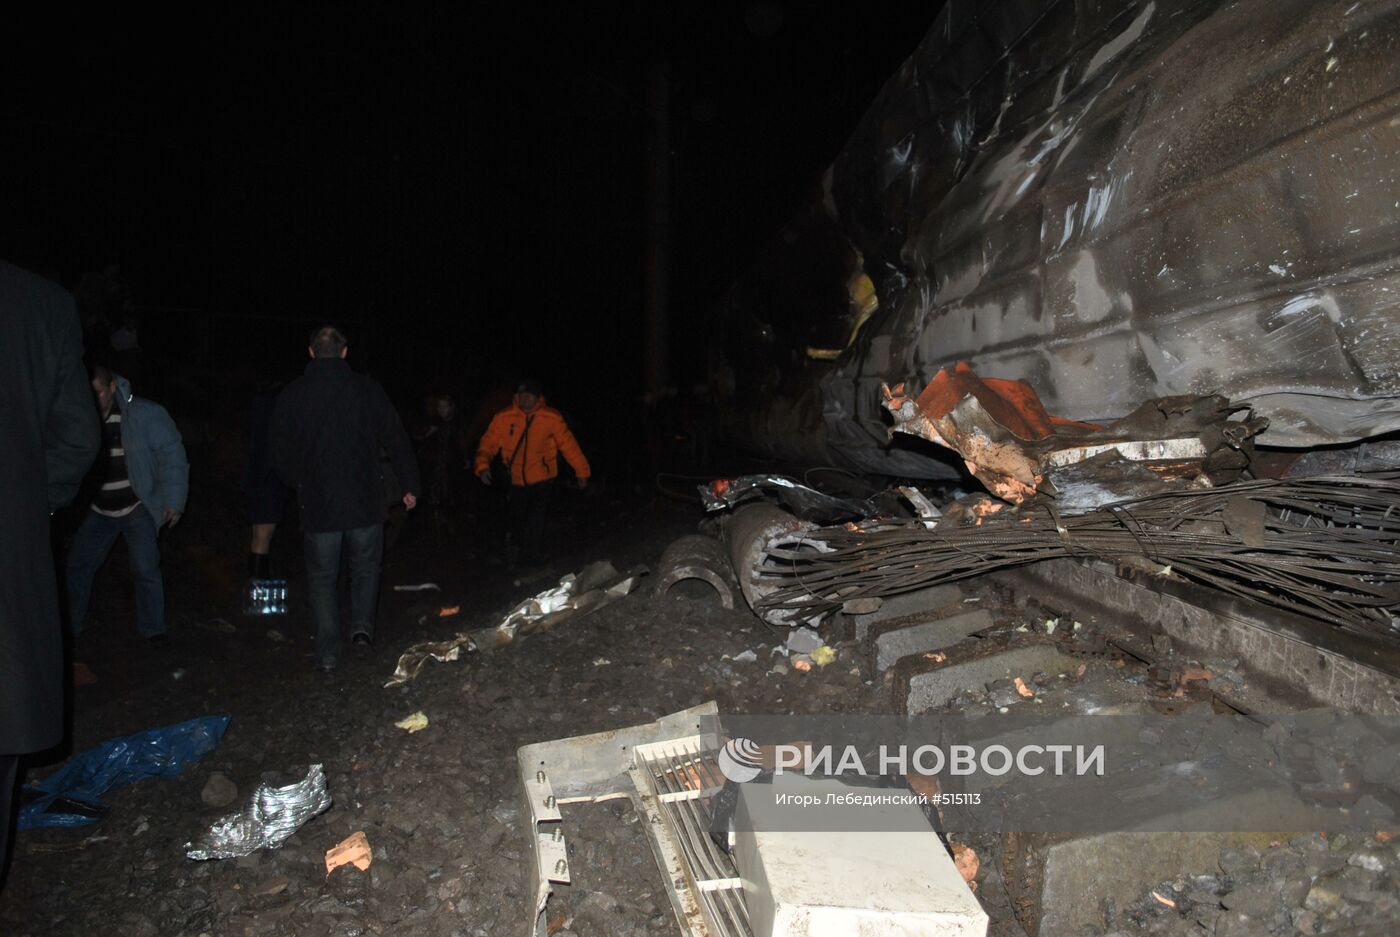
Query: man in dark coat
point(50, 431)
point(327, 431)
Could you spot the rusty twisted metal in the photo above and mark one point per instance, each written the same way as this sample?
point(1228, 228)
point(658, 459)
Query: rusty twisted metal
point(1326, 547)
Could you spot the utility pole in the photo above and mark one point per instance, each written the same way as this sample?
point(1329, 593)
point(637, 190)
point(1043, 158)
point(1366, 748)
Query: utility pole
point(656, 277)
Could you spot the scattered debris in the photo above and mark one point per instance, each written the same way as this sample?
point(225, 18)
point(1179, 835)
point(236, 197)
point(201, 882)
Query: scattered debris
point(601, 662)
point(274, 887)
point(594, 586)
point(1021, 688)
point(70, 796)
point(1015, 447)
point(447, 611)
point(1051, 624)
point(219, 791)
point(803, 641)
point(968, 864)
point(800, 500)
point(745, 657)
point(413, 659)
point(419, 587)
point(353, 850)
point(937, 657)
point(823, 655)
point(414, 723)
point(696, 557)
point(271, 815)
point(801, 664)
point(275, 636)
point(1361, 559)
point(178, 673)
point(1167, 902)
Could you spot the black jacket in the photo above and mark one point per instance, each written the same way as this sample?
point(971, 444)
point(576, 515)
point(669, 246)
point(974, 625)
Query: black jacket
point(48, 421)
point(327, 431)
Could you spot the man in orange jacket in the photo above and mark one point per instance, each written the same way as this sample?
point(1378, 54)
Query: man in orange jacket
point(529, 437)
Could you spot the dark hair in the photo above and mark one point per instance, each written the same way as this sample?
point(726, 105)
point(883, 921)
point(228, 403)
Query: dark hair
point(327, 342)
point(529, 386)
point(103, 374)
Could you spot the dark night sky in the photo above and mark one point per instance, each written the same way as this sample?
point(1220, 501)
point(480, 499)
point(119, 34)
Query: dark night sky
point(465, 190)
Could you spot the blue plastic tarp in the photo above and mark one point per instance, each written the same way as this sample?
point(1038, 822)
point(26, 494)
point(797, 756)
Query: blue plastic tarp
point(155, 753)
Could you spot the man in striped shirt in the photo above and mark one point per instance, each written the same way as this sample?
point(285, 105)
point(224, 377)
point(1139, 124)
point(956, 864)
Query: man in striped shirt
point(143, 481)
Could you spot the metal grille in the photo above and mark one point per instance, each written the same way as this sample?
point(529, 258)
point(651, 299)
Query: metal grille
point(682, 779)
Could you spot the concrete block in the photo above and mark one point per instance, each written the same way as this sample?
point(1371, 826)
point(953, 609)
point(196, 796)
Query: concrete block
point(1282, 653)
point(1061, 887)
point(934, 635)
point(923, 602)
point(936, 688)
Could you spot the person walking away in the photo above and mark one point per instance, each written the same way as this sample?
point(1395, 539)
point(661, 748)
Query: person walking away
point(328, 427)
point(263, 490)
point(51, 437)
point(443, 451)
point(528, 438)
point(144, 480)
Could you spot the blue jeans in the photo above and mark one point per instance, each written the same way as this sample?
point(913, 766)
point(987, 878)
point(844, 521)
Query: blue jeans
point(365, 549)
point(91, 544)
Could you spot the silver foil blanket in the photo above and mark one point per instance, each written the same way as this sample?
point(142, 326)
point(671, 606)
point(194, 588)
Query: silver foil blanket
point(271, 815)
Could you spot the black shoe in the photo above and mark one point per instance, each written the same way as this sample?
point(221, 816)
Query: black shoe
point(362, 643)
point(159, 640)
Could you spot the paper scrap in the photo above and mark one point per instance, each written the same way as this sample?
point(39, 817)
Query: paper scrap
point(414, 723)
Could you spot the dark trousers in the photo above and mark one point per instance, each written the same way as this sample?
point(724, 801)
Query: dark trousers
point(529, 509)
point(91, 544)
point(364, 548)
point(9, 782)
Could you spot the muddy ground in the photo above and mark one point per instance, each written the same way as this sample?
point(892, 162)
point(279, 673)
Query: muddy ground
point(439, 807)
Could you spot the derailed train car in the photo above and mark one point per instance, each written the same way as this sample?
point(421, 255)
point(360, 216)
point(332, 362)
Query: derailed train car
point(1110, 200)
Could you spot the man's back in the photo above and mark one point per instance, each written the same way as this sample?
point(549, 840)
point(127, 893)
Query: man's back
point(327, 430)
point(49, 424)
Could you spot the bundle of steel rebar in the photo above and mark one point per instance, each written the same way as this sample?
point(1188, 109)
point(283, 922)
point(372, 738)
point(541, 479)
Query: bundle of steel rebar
point(1327, 547)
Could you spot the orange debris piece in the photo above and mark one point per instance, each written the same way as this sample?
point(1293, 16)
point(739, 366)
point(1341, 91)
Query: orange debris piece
point(353, 850)
point(967, 862)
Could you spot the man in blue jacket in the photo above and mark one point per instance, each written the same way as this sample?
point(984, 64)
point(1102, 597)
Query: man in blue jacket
point(143, 478)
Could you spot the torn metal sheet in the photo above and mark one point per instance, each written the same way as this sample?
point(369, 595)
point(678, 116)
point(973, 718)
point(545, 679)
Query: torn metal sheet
point(798, 499)
point(594, 586)
point(1015, 447)
point(412, 660)
point(1114, 202)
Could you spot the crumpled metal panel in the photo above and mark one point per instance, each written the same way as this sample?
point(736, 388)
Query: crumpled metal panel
point(1017, 449)
point(1117, 201)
